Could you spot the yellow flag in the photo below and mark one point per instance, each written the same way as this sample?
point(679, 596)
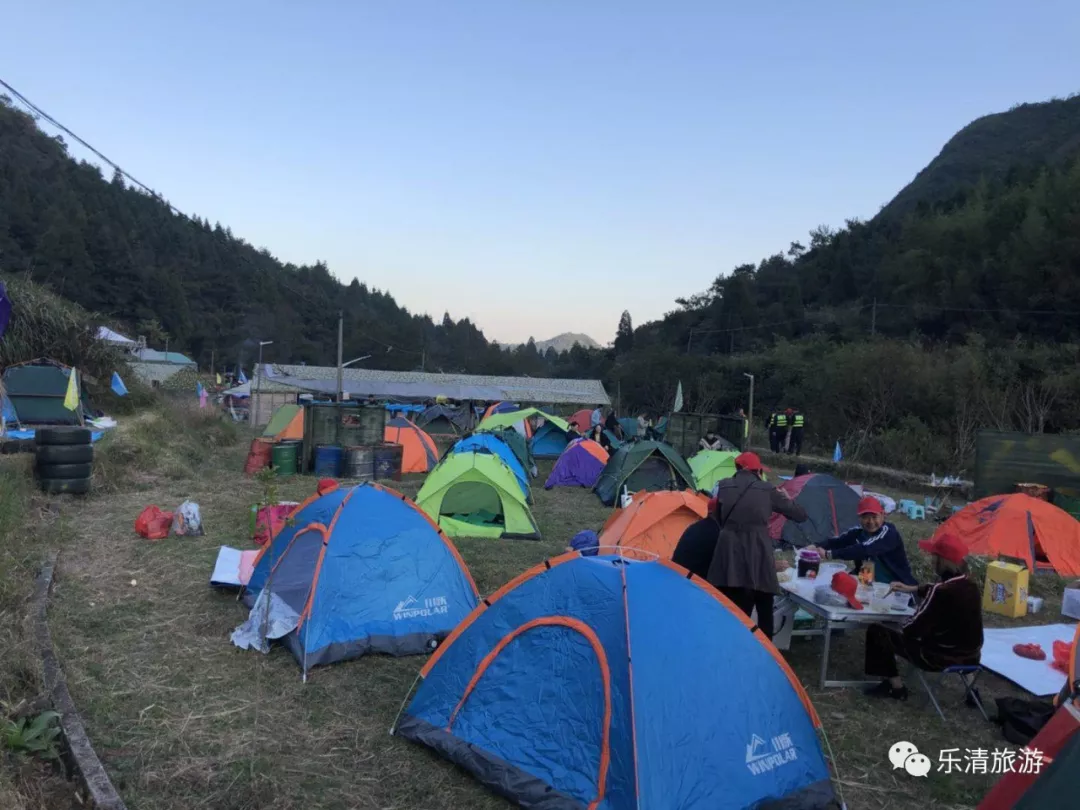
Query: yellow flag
point(71, 398)
point(218, 379)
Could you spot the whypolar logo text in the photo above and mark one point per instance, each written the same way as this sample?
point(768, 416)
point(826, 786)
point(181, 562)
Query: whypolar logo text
point(905, 755)
point(762, 757)
point(412, 609)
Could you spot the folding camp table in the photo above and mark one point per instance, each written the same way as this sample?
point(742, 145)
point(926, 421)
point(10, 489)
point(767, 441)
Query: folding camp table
point(801, 592)
point(941, 501)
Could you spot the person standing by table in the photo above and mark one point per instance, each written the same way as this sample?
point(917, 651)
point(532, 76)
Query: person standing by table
point(743, 565)
point(945, 631)
point(873, 539)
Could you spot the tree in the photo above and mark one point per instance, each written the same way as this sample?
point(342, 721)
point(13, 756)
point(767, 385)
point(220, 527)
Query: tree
point(624, 335)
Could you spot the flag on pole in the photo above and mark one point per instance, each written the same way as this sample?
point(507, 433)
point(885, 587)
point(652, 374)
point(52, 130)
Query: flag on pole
point(218, 378)
point(202, 398)
point(678, 398)
point(5, 309)
point(836, 454)
point(118, 386)
point(71, 398)
point(241, 379)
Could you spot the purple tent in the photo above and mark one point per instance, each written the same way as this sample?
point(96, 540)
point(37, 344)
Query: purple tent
point(579, 465)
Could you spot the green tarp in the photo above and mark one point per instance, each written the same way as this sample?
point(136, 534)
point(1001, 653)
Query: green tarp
point(1005, 459)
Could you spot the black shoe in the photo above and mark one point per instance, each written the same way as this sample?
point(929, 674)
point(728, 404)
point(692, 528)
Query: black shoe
point(885, 689)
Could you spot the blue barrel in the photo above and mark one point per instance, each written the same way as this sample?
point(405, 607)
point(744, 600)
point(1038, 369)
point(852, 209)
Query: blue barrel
point(328, 461)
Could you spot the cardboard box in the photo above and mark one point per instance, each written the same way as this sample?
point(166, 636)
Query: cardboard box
point(1006, 589)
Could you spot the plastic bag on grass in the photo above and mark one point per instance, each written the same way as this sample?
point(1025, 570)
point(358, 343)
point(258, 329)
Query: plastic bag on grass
point(153, 524)
point(187, 522)
point(270, 618)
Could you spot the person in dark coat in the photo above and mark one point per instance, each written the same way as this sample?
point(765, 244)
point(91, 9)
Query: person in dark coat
point(874, 539)
point(946, 629)
point(743, 566)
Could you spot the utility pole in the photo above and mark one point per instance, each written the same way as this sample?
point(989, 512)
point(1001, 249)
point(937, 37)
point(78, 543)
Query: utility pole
point(254, 418)
point(873, 319)
point(212, 353)
point(750, 415)
point(340, 367)
point(689, 340)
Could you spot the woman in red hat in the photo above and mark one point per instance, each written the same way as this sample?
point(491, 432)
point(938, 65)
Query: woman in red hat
point(732, 545)
point(873, 539)
point(946, 629)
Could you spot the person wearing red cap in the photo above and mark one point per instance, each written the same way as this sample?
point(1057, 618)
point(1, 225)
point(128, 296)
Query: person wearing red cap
point(873, 539)
point(732, 546)
point(946, 629)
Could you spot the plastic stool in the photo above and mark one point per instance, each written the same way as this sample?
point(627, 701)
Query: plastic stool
point(904, 504)
point(916, 512)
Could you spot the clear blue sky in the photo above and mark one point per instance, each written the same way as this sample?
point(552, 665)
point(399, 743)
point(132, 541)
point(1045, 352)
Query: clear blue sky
point(535, 166)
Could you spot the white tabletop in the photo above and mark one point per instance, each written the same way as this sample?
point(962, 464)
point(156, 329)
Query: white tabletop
point(801, 590)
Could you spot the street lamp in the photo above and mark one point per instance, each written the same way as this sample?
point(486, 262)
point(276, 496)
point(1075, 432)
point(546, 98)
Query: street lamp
point(258, 382)
point(355, 360)
point(750, 414)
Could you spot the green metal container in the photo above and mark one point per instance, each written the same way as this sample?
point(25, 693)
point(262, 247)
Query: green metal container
point(324, 424)
point(283, 457)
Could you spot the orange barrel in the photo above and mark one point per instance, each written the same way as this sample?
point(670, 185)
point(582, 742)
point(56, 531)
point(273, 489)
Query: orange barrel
point(259, 455)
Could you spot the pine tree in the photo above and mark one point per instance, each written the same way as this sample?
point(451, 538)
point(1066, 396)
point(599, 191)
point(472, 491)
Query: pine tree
point(624, 335)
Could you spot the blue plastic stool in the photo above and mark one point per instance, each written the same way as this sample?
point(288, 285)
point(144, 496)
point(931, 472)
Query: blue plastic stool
point(967, 674)
point(916, 512)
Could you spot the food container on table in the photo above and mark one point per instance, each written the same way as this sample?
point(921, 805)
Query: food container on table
point(807, 563)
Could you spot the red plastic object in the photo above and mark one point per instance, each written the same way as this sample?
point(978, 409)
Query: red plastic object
point(270, 520)
point(153, 524)
point(258, 456)
point(1032, 651)
point(1062, 655)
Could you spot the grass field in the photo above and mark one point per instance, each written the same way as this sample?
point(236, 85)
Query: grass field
point(182, 719)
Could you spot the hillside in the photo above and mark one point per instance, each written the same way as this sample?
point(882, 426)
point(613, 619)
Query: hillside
point(127, 256)
point(1029, 135)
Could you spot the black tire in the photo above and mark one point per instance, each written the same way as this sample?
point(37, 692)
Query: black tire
point(62, 435)
point(61, 471)
point(67, 486)
point(65, 454)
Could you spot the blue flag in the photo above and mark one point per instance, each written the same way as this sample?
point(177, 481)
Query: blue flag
point(198, 390)
point(118, 386)
point(5, 309)
point(836, 454)
point(241, 379)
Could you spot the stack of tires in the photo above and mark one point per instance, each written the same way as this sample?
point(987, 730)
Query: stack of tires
point(64, 459)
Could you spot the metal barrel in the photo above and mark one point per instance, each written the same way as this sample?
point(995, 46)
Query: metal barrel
point(388, 462)
point(328, 461)
point(360, 463)
point(283, 457)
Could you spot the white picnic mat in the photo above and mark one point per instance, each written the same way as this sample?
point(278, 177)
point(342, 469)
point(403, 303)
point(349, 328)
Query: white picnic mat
point(1037, 677)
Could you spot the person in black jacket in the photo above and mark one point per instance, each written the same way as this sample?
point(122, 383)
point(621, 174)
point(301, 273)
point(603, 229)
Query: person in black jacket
point(946, 629)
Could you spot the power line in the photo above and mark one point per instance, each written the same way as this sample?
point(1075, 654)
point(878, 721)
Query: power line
point(236, 249)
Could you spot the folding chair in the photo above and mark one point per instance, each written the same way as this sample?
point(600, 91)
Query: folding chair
point(967, 674)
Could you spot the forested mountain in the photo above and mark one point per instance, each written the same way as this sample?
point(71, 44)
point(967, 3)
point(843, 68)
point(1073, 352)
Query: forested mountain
point(957, 306)
point(124, 254)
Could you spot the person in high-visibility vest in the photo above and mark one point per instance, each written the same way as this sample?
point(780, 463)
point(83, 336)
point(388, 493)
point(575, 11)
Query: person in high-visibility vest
point(777, 429)
point(798, 423)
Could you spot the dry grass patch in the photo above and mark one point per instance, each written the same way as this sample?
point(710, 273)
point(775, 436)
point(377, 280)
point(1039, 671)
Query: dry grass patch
point(183, 719)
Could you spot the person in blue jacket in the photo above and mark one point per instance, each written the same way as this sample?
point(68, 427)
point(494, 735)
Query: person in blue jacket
point(873, 539)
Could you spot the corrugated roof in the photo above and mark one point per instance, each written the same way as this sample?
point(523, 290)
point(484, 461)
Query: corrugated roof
point(154, 372)
point(154, 356)
point(419, 385)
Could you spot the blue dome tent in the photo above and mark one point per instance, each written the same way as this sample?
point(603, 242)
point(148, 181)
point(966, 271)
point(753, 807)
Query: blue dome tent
point(362, 570)
point(536, 694)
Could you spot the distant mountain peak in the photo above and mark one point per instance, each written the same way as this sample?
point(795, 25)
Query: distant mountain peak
point(561, 343)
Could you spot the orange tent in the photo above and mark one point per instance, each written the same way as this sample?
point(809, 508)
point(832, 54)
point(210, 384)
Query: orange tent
point(653, 523)
point(1037, 532)
point(420, 454)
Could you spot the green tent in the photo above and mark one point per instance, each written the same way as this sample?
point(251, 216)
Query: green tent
point(476, 495)
point(511, 418)
point(36, 391)
point(711, 466)
point(647, 465)
point(517, 443)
